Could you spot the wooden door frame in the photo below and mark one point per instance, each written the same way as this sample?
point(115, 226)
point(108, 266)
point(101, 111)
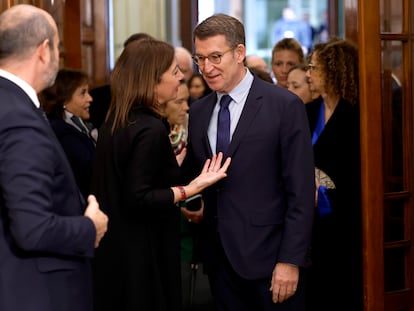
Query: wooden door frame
point(362, 26)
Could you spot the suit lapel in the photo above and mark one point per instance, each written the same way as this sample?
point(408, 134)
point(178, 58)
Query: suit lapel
point(251, 107)
point(208, 108)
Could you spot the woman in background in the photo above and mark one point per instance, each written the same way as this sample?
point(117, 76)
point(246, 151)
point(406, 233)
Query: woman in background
point(136, 181)
point(176, 113)
point(335, 277)
point(285, 54)
point(67, 105)
point(297, 82)
point(198, 87)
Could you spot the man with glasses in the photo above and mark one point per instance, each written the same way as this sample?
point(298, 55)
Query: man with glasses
point(258, 219)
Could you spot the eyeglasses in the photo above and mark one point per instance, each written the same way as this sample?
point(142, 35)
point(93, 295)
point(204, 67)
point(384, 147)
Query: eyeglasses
point(312, 67)
point(214, 58)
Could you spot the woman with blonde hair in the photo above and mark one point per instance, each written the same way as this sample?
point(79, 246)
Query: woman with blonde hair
point(285, 54)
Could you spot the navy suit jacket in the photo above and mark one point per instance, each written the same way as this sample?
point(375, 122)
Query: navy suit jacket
point(263, 210)
point(80, 151)
point(45, 241)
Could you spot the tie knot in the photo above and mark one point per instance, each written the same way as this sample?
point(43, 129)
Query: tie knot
point(225, 101)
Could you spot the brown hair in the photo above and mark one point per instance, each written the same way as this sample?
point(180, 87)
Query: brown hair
point(66, 83)
point(221, 24)
point(207, 89)
point(338, 60)
point(137, 72)
point(289, 44)
point(302, 67)
point(137, 36)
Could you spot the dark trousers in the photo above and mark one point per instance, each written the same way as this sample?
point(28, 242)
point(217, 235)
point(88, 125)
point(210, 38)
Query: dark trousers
point(232, 292)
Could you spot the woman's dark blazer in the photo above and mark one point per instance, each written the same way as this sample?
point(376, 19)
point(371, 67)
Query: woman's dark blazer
point(80, 151)
point(336, 246)
point(137, 265)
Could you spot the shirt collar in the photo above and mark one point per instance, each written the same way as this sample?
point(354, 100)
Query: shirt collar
point(239, 92)
point(22, 84)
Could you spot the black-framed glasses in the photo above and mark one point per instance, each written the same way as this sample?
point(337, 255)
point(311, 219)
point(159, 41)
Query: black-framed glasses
point(214, 58)
point(312, 67)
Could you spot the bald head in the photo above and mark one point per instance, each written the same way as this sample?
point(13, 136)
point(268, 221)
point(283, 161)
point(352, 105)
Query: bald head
point(254, 61)
point(22, 29)
point(185, 62)
point(29, 45)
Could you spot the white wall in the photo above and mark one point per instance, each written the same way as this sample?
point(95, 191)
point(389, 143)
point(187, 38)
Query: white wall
point(132, 16)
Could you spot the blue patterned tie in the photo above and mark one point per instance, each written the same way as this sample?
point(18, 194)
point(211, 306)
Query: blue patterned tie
point(223, 125)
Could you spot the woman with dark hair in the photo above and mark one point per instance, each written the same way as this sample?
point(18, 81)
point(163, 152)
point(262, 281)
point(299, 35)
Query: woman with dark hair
point(136, 180)
point(335, 278)
point(67, 106)
point(198, 87)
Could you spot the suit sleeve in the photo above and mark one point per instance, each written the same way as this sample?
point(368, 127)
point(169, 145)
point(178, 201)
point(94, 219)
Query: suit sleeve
point(299, 184)
point(38, 193)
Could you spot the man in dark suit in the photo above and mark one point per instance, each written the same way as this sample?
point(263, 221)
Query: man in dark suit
point(46, 235)
point(258, 219)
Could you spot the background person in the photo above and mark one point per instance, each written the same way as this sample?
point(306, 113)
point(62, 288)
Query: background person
point(185, 62)
point(254, 61)
point(46, 235)
point(289, 26)
point(285, 54)
point(176, 113)
point(136, 179)
point(67, 105)
point(258, 66)
point(258, 219)
point(297, 82)
point(334, 123)
point(197, 87)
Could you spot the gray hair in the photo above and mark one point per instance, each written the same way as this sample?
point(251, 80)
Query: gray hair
point(22, 29)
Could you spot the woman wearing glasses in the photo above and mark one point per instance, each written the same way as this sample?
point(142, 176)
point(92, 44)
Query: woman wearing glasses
point(336, 273)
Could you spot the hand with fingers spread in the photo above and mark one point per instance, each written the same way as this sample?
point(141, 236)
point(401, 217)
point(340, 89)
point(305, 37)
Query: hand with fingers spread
point(211, 173)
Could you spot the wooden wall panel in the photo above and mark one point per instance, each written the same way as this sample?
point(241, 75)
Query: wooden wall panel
point(188, 21)
point(100, 50)
point(83, 29)
point(72, 34)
